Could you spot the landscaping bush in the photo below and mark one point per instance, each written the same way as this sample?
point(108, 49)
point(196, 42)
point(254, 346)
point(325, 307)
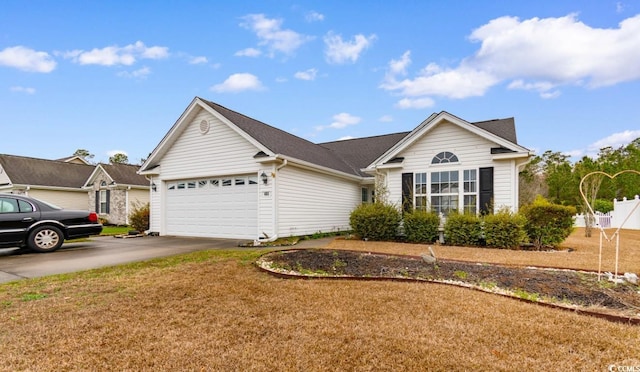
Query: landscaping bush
point(504, 229)
point(139, 217)
point(547, 224)
point(603, 205)
point(421, 226)
point(375, 221)
point(463, 229)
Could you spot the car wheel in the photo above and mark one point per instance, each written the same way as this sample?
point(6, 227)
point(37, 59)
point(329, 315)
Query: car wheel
point(45, 239)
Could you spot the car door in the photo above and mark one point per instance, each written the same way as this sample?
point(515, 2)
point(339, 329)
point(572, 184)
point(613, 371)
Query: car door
point(16, 216)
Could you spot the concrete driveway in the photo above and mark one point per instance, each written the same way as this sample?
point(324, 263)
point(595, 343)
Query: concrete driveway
point(99, 252)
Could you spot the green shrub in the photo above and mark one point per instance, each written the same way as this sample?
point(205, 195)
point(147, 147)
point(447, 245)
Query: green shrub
point(504, 229)
point(547, 223)
point(139, 217)
point(421, 226)
point(463, 229)
point(375, 221)
point(603, 205)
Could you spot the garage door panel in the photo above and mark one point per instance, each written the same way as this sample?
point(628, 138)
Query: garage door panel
point(213, 210)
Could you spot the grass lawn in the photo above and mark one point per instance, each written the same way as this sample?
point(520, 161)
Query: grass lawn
point(215, 311)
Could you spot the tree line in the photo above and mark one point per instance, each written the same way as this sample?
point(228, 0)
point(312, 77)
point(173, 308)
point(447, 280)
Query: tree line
point(556, 178)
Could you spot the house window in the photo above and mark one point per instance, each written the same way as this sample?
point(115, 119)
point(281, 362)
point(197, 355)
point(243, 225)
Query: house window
point(421, 191)
point(470, 190)
point(202, 183)
point(191, 184)
point(444, 158)
point(103, 204)
point(365, 195)
point(215, 183)
point(226, 182)
point(444, 191)
point(253, 180)
point(240, 181)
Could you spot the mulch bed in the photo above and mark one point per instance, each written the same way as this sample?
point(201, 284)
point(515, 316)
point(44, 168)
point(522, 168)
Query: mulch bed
point(567, 288)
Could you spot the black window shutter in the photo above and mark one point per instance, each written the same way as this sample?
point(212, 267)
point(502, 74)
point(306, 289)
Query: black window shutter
point(486, 190)
point(407, 192)
point(97, 201)
point(108, 200)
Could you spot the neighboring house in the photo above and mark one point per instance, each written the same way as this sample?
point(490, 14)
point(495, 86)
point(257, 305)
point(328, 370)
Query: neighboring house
point(218, 173)
point(111, 190)
point(115, 190)
point(54, 181)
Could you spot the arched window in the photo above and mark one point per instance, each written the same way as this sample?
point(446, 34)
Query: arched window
point(444, 157)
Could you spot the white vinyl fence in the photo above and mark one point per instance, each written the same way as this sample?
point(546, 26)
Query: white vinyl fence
point(628, 210)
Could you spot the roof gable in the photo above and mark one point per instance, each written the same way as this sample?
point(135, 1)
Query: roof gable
point(501, 132)
point(119, 174)
point(42, 172)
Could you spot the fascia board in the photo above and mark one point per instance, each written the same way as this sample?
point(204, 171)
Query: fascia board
point(512, 155)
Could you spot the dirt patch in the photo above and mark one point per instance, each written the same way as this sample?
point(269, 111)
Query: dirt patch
point(569, 288)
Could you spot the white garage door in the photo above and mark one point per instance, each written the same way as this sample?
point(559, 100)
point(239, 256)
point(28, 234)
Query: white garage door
point(223, 207)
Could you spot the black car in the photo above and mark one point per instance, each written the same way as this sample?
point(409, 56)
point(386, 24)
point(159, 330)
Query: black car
point(40, 226)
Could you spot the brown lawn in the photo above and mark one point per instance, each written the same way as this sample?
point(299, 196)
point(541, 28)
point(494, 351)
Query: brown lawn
point(215, 311)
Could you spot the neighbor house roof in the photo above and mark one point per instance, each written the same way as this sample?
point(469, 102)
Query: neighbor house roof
point(42, 172)
point(348, 156)
point(120, 174)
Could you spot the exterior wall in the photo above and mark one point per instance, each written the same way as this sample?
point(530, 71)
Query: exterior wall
point(155, 198)
point(220, 151)
point(64, 199)
point(473, 152)
point(136, 198)
point(310, 202)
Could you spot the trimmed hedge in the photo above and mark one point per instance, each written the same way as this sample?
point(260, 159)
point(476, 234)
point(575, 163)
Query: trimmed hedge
point(421, 226)
point(548, 224)
point(504, 229)
point(375, 221)
point(463, 229)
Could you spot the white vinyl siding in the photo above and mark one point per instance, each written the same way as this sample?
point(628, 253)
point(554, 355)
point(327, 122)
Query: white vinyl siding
point(220, 155)
point(311, 202)
point(155, 216)
point(472, 151)
point(218, 152)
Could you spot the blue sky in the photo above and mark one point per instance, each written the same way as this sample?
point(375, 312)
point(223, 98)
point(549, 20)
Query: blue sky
point(114, 76)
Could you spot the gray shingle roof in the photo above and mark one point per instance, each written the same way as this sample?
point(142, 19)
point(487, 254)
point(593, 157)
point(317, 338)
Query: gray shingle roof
point(42, 172)
point(348, 156)
point(125, 174)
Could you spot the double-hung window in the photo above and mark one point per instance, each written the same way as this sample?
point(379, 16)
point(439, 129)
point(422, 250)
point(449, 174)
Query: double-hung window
point(421, 192)
point(470, 191)
point(444, 191)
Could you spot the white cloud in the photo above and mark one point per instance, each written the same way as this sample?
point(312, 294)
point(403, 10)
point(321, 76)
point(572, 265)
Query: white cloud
point(198, 60)
point(248, 52)
point(23, 90)
point(239, 83)
point(519, 52)
point(27, 59)
point(339, 51)
point(309, 74)
point(386, 119)
point(417, 103)
point(115, 55)
point(344, 138)
point(272, 36)
point(615, 140)
point(314, 16)
point(137, 74)
point(340, 121)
